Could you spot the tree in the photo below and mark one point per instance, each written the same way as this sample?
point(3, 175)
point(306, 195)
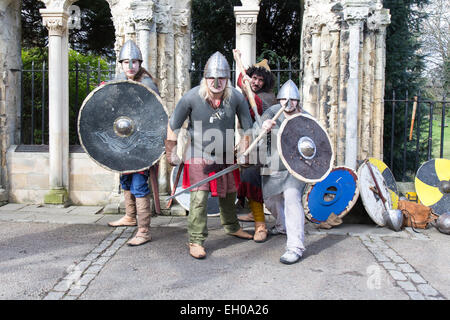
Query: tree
point(404, 68)
point(213, 29)
point(435, 37)
point(95, 36)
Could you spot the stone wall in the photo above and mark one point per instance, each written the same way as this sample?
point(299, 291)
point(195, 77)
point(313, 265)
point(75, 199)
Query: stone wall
point(10, 63)
point(90, 184)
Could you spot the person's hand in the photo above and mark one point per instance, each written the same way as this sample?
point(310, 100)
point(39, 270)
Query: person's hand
point(171, 152)
point(268, 124)
point(236, 54)
point(246, 79)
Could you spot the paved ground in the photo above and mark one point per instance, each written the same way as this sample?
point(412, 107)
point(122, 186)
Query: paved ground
point(70, 253)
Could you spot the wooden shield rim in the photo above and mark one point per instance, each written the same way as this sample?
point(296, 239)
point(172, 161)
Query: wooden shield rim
point(288, 167)
point(393, 193)
point(366, 207)
point(87, 99)
point(350, 204)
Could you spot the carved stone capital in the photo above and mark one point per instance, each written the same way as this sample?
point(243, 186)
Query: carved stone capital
point(356, 10)
point(246, 24)
point(181, 21)
point(54, 21)
point(380, 19)
point(143, 14)
point(163, 18)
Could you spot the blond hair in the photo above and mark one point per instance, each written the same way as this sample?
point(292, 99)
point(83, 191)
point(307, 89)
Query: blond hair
point(206, 95)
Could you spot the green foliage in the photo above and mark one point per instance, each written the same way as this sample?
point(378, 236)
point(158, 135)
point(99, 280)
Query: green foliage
point(85, 73)
point(96, 35)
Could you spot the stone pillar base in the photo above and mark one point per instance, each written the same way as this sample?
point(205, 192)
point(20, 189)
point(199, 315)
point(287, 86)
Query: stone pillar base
point(57, 196)
point(3, 195)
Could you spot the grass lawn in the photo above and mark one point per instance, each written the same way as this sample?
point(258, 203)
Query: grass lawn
point(437, 139)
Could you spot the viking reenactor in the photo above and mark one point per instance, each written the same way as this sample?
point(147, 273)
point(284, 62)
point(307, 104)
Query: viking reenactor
point(261, 81)
point(210, 109)
point(283, 192)
point(135, 185)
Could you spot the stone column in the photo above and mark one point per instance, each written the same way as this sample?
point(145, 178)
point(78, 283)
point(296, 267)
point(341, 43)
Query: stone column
point(146, 29)
point(55, 19)
point(378, 22)
point(246, 18)
point(355, 12)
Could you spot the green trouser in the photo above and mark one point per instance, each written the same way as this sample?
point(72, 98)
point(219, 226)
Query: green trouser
point(197, 219)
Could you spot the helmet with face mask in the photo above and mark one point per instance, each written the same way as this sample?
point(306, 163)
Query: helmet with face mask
point(289, 91)
point(217, 67)
point(130, 51)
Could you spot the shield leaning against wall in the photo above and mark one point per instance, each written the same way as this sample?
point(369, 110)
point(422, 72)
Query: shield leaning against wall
point(122, 126)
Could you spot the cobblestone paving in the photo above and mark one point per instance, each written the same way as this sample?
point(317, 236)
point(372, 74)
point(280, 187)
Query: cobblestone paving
point(404, 275)
point(80, 275)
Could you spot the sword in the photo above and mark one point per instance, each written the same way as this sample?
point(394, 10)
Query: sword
point(234, 166)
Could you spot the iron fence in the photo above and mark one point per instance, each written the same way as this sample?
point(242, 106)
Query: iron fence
point(34, 100)
point(410, 136)
point(82, 80)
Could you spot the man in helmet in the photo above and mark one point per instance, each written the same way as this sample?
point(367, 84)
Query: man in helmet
point(135, 185)
point(210, 109)
point(261, 81)
point(282, 192)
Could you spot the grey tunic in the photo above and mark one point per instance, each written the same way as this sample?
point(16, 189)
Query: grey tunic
point(279, 178)
point(208, 125)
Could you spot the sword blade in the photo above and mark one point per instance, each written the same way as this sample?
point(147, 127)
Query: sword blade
point(202, 182)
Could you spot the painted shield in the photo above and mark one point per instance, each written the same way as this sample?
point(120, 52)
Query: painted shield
point(305, 148)
point(432, 185)
point(122, 126)
point(337, 194)
point(184, 199)
point(371, 200)
point(389, 178)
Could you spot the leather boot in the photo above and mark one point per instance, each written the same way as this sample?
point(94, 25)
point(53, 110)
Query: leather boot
point(260, 232)
point(143, 218)
point(129, 219)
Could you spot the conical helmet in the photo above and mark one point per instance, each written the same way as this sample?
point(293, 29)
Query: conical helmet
point(289, 91)
point(130, 51)
point(217, 67)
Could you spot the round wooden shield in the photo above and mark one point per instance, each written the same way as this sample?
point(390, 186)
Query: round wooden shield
point(305, 148)
point(432, 185)
point(369, 194)
point(337, 194)
point(389, 178)
point(122, 126)
point(184, 199)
